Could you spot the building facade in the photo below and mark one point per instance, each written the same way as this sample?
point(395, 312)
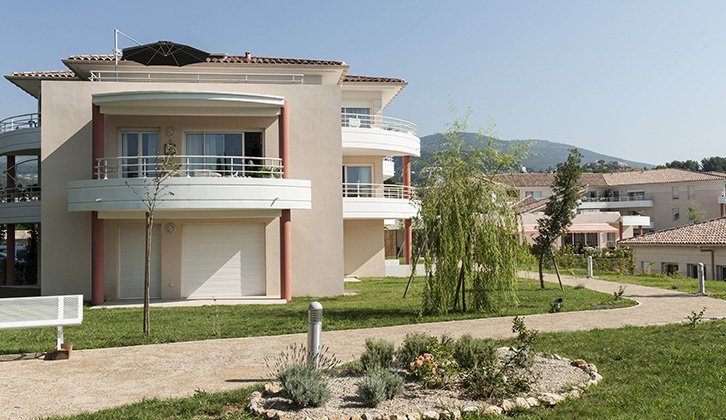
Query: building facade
point(256, 208)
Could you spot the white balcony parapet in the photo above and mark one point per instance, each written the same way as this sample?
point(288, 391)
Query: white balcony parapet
point(364, 190)
point(378, 201)
point(377, 122)
point(19, 122)
point(190, 166)
point(616, 199)
point(198, 77)
point(636, 201)
point(389, 168)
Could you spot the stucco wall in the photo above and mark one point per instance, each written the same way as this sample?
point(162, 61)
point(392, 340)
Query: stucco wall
point(681, 255)
point(364, 248)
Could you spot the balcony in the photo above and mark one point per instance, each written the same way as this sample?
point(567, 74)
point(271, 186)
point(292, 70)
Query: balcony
point(20, 205)
point(202, 186)
point(20, 134)
point(378, 201)
point(194, 77)
point(388, 167)
point(598, 203)
point(378, 136)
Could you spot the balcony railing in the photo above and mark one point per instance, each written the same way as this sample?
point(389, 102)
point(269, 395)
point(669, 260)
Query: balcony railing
point(20, 194)
point(190, 166)
point(19, 122)
point(616, 199)
point(377, 121)
point(197, 77)
point(363, 190)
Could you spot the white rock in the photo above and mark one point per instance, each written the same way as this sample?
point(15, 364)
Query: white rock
point(595, 377)
point(413, 416)
point(493, 409)
point(469, 409)
point(550, 398)
point(591, 368)
point(507, 405)
point(256, 395)
point(430, 415)
point(521, 402)
point(533, 402)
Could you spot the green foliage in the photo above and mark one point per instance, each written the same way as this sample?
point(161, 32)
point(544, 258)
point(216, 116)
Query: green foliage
point(619, 293)
point(695, 213)
point(463, 217)
point(378, 354)
point(714, 163)
point(415, 345)
point(379, 386)
point(304, 385)
point(689, 164)
point(471, 353)
point(696, 318)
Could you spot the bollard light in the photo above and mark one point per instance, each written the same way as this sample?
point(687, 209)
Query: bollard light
point(701, 278)
point(315, 329)
point(589, 266)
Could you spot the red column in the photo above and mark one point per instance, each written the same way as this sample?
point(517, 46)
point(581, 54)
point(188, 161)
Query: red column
point(96, 223)
point(620, 230)
point(408, 234)
point(283, 122)
point(640, 230)
point(10, 232)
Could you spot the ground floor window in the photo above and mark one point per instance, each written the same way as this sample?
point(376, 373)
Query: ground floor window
point(721, 272)
point(581, 240)
point(693, 271)
point(669, 269)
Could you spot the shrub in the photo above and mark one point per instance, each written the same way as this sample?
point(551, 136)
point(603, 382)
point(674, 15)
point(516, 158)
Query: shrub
point(470, 353)
point(415, 345)
point(378, 386)
point(378, 354)
point(304, 385)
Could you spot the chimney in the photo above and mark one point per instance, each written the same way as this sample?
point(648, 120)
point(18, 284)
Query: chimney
point(248, 55)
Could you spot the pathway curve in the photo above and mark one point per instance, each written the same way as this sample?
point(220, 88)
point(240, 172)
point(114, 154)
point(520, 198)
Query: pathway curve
point(95, 379)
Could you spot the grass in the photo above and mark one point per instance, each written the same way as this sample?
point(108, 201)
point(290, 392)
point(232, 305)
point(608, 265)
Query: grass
point(717, 289)
point(379, 303)
point(672, 371)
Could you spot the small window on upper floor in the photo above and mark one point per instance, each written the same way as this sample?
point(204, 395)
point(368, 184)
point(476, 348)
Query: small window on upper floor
point(355, 117)
point(676, 215)
point(535, 194)
point(675, 192)
point(691, 192)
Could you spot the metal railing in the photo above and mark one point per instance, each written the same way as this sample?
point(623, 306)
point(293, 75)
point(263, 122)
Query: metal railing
point(377, 121)
point(18, 122)
point(198, 77)
point(364, 190)
point(616, 199)
point(190, 166)
point(20, 194)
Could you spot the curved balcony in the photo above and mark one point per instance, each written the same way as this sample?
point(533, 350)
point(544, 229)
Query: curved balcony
point(378, 136)
point(20, 205)
point(378, 201)
point(20, 134)
point(226, 186)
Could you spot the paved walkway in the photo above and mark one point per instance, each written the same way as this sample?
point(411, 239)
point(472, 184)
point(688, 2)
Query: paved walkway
point(102, 378)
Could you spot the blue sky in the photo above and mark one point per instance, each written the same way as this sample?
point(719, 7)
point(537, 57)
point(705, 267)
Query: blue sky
point(641, 80)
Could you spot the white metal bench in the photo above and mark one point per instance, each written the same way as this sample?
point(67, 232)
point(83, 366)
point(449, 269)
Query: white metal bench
point(41, 311)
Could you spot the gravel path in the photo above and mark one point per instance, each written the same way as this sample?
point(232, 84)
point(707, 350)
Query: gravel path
point(95, 379)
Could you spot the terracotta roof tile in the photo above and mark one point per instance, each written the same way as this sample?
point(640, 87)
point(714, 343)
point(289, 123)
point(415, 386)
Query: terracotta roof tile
point(546, 179)
point(51, 74)
point(660, 176)
point(530, 204)
point(230, 59)
point(371, 79)
point(711, 232)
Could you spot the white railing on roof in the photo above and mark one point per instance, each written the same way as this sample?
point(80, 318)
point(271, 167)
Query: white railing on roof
point(190, 166)
point(365, 190)
point(199, 77)
point(20, 194)
point(377, 121)
point(18, 122)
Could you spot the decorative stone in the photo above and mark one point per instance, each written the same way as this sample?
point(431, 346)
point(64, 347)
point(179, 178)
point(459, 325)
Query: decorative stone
point(521, 402)
point(367, 416)
point(272, 388)
point(493, 409)
point(595, 378)
point(256, 395)
point(430, 415)
point(413, 416)
point(533, 402)
point(397, 417)
point(270, 414)
point(550, 398)
point(579, 363)
point(591, 368)
point(252, 405)
point(507, 405)
point(470, 409)
point(354, 417)
point(574, 393)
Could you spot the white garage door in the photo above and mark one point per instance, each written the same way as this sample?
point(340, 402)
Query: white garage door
point(223, 260)
point(132, 244)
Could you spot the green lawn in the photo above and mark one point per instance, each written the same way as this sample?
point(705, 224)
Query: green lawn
point(663, 372)
point(379, 303)
point(681, 284)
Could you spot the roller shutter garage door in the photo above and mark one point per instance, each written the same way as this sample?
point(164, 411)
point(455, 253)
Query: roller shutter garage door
point(132, 249)
point(224, 260)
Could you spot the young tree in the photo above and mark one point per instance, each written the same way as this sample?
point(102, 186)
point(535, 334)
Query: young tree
point(695, 213)
point(467, 226)
point(560, 210)
point(151, 194)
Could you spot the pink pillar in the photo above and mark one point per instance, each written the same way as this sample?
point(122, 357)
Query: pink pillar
point(408, 234)
point(96, 223)
point(640, 230)
point(620, 230)
point(10, 232)
point(283, 122)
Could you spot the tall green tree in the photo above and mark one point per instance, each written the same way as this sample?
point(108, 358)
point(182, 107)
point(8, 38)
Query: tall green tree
point(713, 163)
point(467, 226)
point(691, 165)
point(560, 210)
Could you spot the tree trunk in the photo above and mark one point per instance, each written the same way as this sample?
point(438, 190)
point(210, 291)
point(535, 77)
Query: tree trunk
point(541, 276)
point(147, 272)
point(461, 286)
point(557, 270)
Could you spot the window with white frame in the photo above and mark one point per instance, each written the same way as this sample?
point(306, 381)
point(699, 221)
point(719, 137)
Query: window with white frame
point(674, 192)
point(142, 147)
point(228, 154)
point(357, 181)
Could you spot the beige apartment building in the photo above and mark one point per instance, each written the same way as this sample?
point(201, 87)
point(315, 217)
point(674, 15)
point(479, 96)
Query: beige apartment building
point(258, 208)
point(620, 205)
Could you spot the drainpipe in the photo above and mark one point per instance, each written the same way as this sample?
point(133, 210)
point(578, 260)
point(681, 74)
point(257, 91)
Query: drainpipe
point(713, 262)
point(283, 122)
point(96, 223)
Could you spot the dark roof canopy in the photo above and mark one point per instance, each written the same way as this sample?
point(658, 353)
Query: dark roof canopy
point(164, 53)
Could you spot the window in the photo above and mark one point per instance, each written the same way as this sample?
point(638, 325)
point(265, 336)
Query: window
point(610, 239)
point(676, 215)
point(357, 181)
point(691, 193)
point(356, 117)
point(692, 270)
point(231, 154)
point(636, 196)
point(535, 194)
point(139, 144)
point(669, 269)
point(721, 272)
point(674, 192)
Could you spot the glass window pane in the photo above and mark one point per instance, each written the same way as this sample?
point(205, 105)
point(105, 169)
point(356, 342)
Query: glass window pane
point(129, 147)
point(195, 147)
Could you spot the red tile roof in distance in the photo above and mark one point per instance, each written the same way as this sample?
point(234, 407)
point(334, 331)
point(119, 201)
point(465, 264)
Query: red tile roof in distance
point(711, 232)
point(653, 176)
point(51, 74)
point(229, 59)
point(349, 78)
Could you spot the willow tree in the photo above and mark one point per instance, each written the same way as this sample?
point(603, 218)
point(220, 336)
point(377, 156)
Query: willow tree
point(466, 223)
